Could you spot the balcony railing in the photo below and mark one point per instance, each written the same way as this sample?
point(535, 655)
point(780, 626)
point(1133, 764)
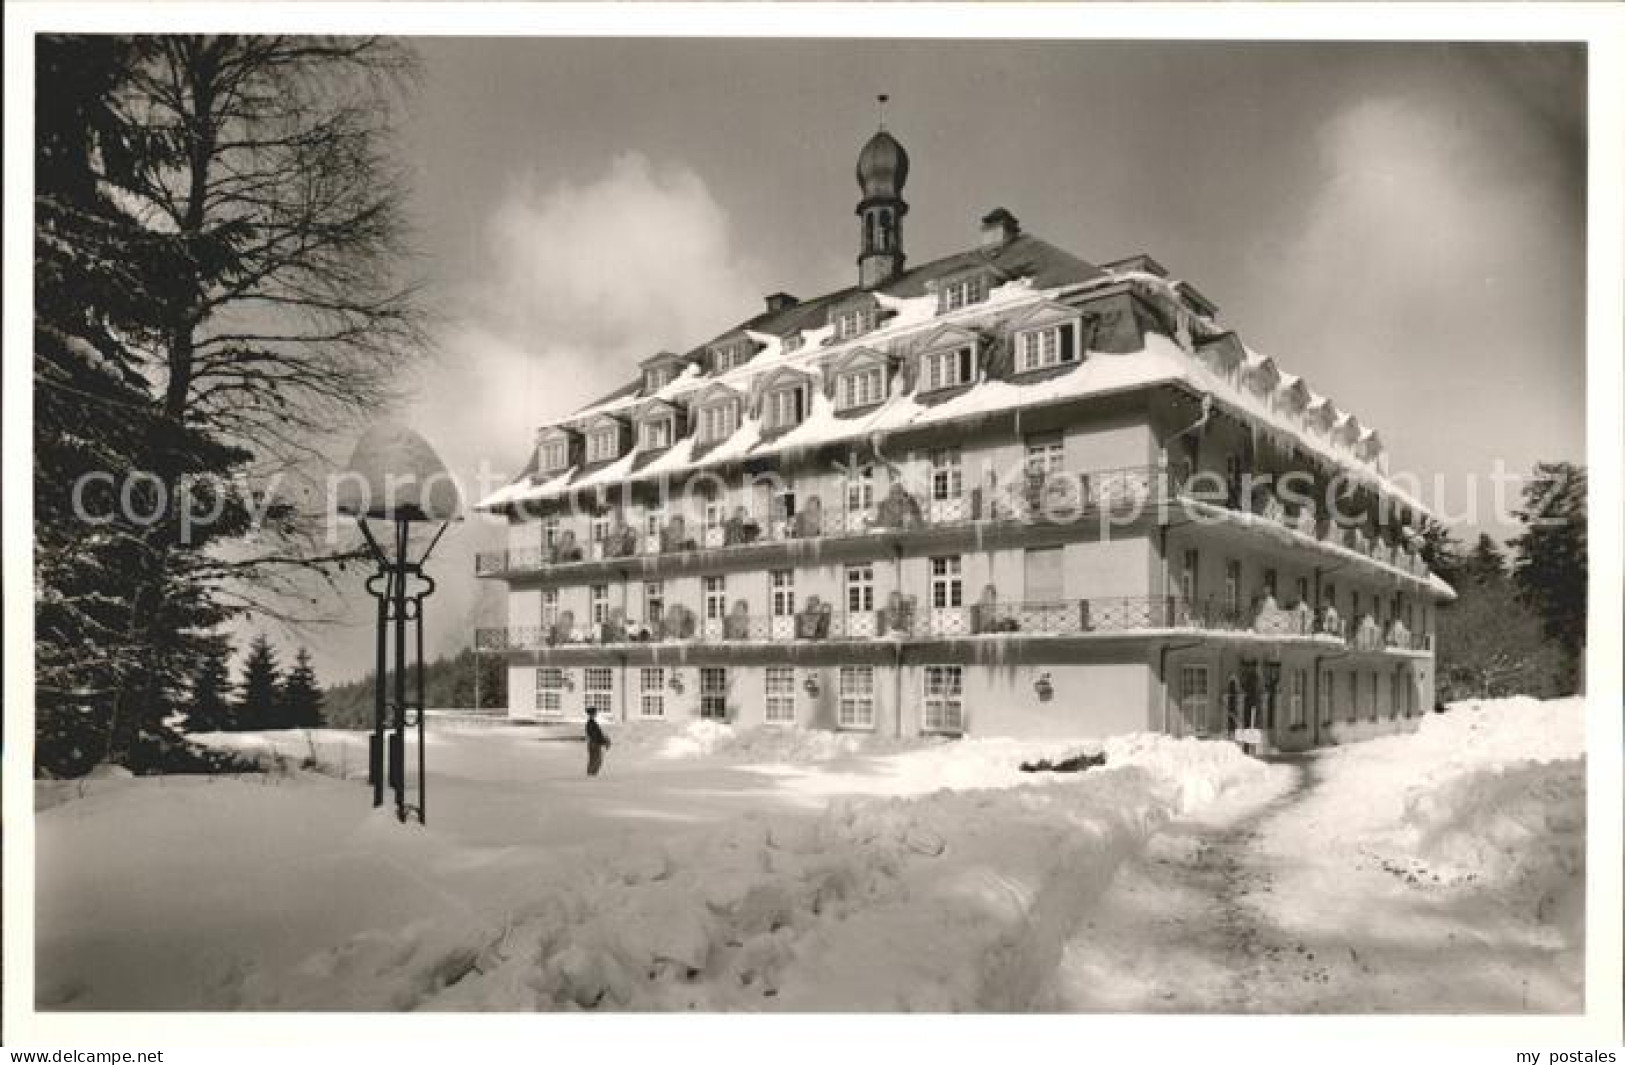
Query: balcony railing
point(903, 618)
point(1035, 496)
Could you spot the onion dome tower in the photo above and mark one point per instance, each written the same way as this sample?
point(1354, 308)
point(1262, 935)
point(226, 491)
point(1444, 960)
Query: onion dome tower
point(882, 172)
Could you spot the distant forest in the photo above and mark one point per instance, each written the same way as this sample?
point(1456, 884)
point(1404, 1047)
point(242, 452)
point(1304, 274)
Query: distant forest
point(447, 683)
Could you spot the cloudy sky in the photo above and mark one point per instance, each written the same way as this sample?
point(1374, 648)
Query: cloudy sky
point(1402, 224)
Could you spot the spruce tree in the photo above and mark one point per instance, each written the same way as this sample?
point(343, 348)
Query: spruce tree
point(261, 704)
point(1486, 563)
point(1551, 565)
point(301, 695)
point(210, 708)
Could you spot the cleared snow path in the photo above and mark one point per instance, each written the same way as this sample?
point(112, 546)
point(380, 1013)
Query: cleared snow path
point(1319, 892)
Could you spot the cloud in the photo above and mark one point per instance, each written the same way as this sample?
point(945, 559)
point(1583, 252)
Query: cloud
point(1424, 221)
point(582, 281)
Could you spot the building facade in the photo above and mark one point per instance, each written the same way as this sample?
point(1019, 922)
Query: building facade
point(1004, 492)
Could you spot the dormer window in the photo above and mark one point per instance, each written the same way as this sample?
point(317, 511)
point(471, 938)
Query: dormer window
point(961, 292)
point(718, 422)
point(860, 388)
point(603, 444)
point(655, 434)
point(948, 368)
point(1038, 349)
point(659, 377)
point(856, 321)
point(793, 342)
point(553, 455)
point(729, 356)
point(786, 407)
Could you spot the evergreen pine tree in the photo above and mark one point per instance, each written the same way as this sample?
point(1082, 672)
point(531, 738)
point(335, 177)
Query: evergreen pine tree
point(261, 705)
point(1551, 563)
point(210, 708)
point(1442, 552)
point(1486, 563)
point(301, 695)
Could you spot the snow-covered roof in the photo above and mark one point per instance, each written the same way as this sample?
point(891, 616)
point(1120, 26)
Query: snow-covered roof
point(1038, 275)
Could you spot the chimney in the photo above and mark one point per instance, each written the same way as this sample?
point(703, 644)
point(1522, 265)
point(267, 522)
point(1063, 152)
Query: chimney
point(999, 227)
point(780, 301)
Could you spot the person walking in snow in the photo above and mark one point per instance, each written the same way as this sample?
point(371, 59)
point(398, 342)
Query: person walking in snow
point(597, 743)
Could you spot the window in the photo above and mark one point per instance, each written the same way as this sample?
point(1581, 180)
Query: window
point(656, 379)
point(1045, 453)
point(1303, 589)
point(857, 690)
point(653, 702)
point(962, 293)
point(600, 528)
point(550, 691)
point(1354, 697)
point(550, 607)
point(945, 369)
point(944, 698)
point(781, 586)
point(716, 598)
point(555, 454)
point(860, 388)
point(600, 690)
point(1354, 604)
point(947, 587)
point(1232, 586)
point(860, 489)
point(1327, 711)
point(1270, 583)
point(1188, 574)
point(947, 477)
point(1193, 696)
point(727, 358)
point(1329, 595)
point(602, 445)
point(550, 533)
point(711, 520)
point(860, 588)
point(718, 422)
point(1039, 349)
point(654, 602)
point(654, 520)
point(714, 693)
point(785, 407)
point(600, 603)
point(793, 342)
point(782, 504)
point(854, 322)
point(1396, 694)
point(781, 696)
point(1297, 691)
point(1372, 708)
point(656, 434)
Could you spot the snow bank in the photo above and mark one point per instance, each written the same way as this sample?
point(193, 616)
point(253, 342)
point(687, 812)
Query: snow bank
point(755, 744)
point(1519, 829)
point(1503, 805)
point(1487, 799)
point(950, 900)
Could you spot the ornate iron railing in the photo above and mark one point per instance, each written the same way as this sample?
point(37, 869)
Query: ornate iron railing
point(906, 620)
point(1055, 496)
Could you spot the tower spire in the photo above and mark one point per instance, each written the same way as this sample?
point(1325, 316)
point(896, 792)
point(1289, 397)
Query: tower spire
point(882, 171)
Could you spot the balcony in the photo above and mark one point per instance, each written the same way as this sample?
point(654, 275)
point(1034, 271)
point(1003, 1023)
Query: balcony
point(1048, 496)
point(902, 619)
point(1302, 520)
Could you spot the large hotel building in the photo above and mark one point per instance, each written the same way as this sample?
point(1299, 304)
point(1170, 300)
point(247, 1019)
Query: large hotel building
point(1004, 492)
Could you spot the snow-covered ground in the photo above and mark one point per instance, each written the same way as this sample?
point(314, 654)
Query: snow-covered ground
point(764, 869)
point(1439, 872)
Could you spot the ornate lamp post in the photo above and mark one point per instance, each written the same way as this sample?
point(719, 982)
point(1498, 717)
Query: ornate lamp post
point(396, 478)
